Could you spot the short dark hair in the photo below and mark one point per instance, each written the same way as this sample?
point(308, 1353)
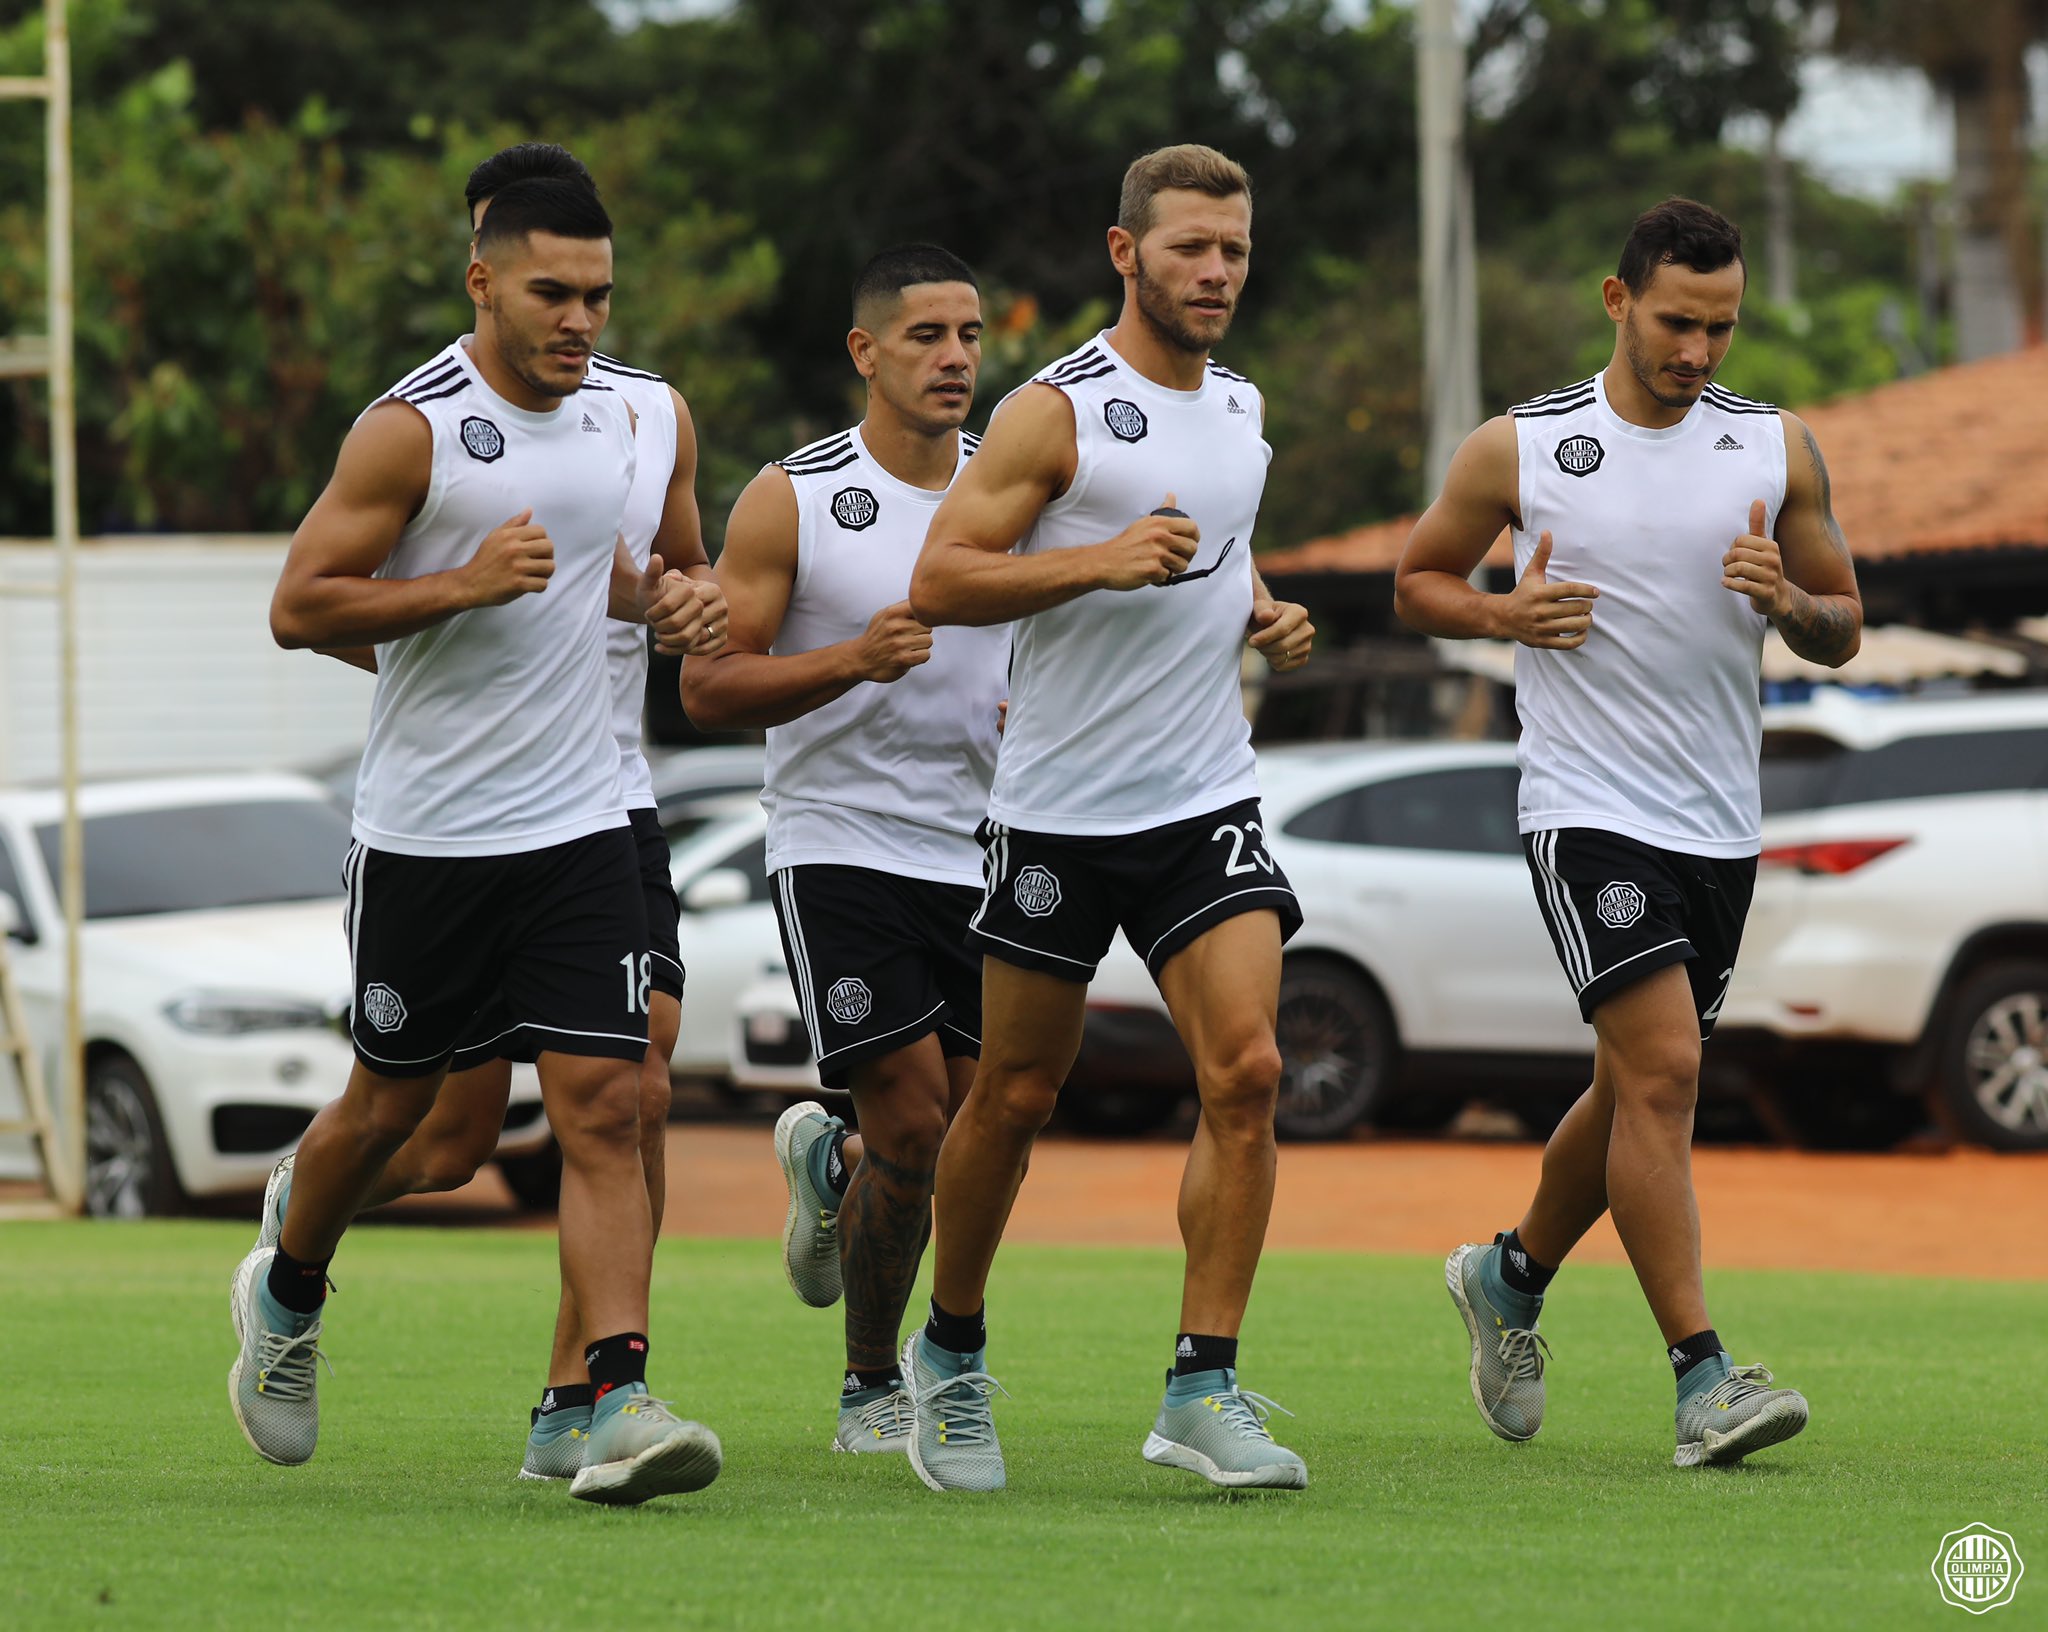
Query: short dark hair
point(891, 272)
point(1678, 232)
point(558, 204)
point(522, 161)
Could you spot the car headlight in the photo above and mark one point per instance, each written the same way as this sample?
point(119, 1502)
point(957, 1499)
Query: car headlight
point(231, 1014)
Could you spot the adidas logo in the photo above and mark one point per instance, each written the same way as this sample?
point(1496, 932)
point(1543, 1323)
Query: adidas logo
point(1186, 1351)
point(1230, 403)
point(547, 1402)
point(590, 424)
point(1677, 1355)
point(1520, 1260)
point(1727, 443)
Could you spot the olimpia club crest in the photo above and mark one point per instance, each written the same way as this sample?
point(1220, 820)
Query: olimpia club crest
point(855, 509)
point(1579, 455)
point(1126, 420)
point(849, 1001)
point(483, 439)
point(1620, 904)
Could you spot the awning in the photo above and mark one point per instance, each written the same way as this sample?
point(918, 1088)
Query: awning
point(1891, 655)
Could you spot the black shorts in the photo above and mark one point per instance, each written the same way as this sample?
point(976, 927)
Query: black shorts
point(555, 939)
point(1054, 901)
point(878, 961)
point(663, 913)
point(1619, 909)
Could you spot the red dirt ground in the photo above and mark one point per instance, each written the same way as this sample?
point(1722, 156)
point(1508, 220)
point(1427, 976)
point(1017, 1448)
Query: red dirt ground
point(1948, 1213)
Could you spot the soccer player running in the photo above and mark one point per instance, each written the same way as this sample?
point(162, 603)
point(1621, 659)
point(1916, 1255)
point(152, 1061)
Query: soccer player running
point(1110, 514)
point(471, 533)
point(881, 748)
point(460, 1132)
point(1660, 523)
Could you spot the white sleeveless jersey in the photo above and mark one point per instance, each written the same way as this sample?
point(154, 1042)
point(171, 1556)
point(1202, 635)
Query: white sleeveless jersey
point(1125, 711)
point(1652, 728)
point(626, 643)
point(490, 731)
point(890, 776)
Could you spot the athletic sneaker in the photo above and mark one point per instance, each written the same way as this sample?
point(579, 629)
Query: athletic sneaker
point(1208, 1425)
point(273, 1384)
point(554, 1444)
point(638, 1449)
point(277, 1194)
point(1726, 1411)
point(810, 1230)
point(1507, 1356)
point(879, 1422)
point(953, 1430)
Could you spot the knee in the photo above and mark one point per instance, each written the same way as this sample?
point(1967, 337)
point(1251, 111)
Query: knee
point(388, 1120)
point(906, 1125)
point(1241, 1088)
point(1019, 1101)
point(1662, 1083)
point(449, 1164)
point(602, 1112)
point(657, 1098)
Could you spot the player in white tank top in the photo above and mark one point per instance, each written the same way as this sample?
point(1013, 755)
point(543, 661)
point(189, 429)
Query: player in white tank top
point(881, 748)
point(491, 696)
point(1125, 790)
point(1658, 525)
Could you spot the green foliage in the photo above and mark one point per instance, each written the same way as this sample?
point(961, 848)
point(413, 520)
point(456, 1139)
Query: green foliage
point(151, 1511)
point(269, 226)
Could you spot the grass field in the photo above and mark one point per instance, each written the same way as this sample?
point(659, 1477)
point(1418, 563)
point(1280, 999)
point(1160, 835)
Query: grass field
point(128, 1498)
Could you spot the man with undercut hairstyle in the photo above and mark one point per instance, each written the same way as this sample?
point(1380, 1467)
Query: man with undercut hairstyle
point(471, 533)
point(1110, 515)
point(461, 1131)
point(881, 747)
point(1661, 523)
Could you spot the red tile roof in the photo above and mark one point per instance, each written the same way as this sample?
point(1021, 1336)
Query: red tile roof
point(1952, 460)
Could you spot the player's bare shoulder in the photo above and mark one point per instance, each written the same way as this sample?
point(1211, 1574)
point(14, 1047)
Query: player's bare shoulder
point(1031, 438)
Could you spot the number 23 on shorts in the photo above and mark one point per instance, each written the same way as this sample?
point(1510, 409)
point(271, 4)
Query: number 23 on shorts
point(1247, 849)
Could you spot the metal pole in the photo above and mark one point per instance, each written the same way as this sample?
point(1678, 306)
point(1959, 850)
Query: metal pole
point(1450, 295)
point(64, 496)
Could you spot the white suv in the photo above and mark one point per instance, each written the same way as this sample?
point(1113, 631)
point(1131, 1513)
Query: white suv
point(1899, 937)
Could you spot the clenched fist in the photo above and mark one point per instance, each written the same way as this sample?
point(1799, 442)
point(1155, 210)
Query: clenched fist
point(515, 559)
point(1540, 613)
point(893, 644)
point(1149, 551)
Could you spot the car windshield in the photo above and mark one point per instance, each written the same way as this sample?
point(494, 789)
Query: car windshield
point(1798, 770)
point(191, 858)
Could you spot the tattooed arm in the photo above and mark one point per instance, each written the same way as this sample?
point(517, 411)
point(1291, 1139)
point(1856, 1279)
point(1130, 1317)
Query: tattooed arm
point(1804, 579)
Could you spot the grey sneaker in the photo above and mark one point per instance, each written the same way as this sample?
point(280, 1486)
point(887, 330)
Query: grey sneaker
point(273, 1384)
point(1222, 1435)
point(810, 1230)
point(882, 1426)
point(1507, 1358)
point(554, 1443)
point(276, 1194)
point(953, 1430)
point(1737, 1414)
point(638, 1449)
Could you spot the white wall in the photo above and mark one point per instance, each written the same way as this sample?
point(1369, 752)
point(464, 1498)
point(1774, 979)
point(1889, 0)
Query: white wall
point(177, 670)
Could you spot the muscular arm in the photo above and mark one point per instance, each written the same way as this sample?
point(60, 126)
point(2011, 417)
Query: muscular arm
point(745, 686)
point(326, 596)
point(1819, 610)
point(1432, 588)
point(967, 574)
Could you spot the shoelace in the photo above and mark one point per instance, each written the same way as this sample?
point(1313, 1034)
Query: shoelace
point(286, 1366)
point(1524, 1352)
point(1738, 1385)
point(889, 1417)
point(967, 1397)
point(646, 1405)
point(1246, 1412)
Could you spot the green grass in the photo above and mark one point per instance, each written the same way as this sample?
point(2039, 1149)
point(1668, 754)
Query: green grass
point(128, 1498)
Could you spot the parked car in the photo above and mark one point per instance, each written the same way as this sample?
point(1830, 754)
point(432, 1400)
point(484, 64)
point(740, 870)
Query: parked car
point(1422, 970)
point(726, 932)
point(216, 980)
point(1896, 957)
point(693, 785)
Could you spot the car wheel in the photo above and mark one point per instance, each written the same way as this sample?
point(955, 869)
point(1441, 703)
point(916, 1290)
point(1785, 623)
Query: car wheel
point(128, 1172)
point(1336, 1049)
point(1993, 1076)
point(535, 1180)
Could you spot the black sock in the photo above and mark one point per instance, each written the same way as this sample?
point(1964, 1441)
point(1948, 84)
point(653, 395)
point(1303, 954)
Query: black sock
point(1692, 1350)
point(958, 1334)
point(1519, 1271)
point(837, 1174)
point(297, 1283)
point(863, 1382)
point(1194, 1352)
point(564, 1397)
point(616, 1362)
